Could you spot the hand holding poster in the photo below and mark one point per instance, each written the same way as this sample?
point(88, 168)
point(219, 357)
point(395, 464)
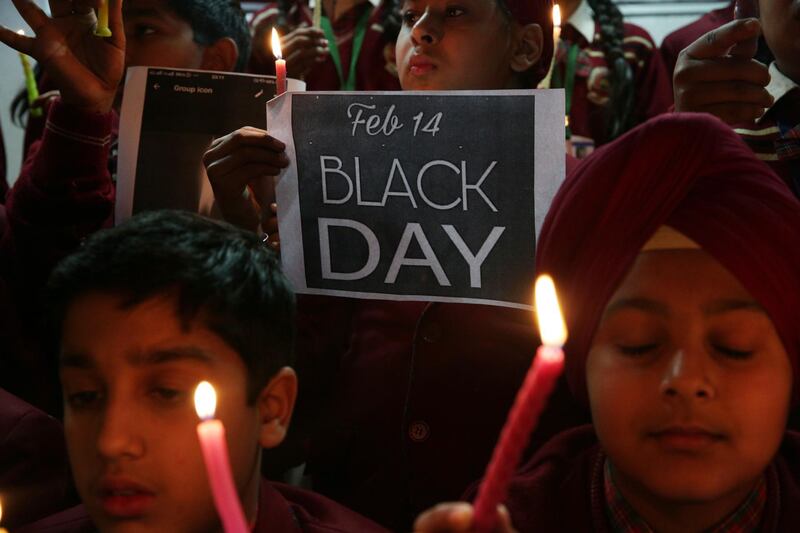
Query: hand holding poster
point(426, 196)
point(169, 118)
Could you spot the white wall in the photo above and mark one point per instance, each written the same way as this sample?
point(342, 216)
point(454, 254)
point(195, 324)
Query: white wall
point(659, 17)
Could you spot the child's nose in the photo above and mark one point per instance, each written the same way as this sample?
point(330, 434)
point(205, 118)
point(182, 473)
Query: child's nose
point(427, 30)
point(686, 377)
point(118, 437)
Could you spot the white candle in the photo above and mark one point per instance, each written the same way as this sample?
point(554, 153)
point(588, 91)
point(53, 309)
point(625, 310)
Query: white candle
point(545, 83)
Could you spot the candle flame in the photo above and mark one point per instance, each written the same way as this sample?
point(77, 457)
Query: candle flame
point(205, 400)
point(276, 44)
point(20, 32)
point(556, 16)
point(1, 511)
point(551, 323)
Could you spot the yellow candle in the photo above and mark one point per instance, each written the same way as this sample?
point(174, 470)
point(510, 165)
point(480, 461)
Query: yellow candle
point(30, 85)
point(102, 29)
point(317, 13)
point(545, 83)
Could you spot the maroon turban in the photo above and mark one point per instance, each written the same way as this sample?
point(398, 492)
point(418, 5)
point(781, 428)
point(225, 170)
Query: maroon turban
point(536, 12)
point(693, 173)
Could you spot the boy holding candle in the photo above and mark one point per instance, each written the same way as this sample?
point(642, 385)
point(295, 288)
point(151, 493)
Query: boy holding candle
point(748, 73)
point(681, 309)
point(146, 311)
point(65, 190)
point(411, 379)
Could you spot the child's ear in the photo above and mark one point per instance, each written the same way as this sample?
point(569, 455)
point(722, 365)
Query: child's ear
point(275, 405)
point(528, 48)
point(221, 56)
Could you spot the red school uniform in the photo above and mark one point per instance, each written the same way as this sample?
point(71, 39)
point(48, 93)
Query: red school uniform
point(409, 398)
point(63, 194)
point(281, 508)
point(675, 42)
point(376, 69)
point(587, 117)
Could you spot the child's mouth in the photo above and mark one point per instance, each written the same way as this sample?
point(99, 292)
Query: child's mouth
point(419, 66)
point(686, 439)
point(125, 500)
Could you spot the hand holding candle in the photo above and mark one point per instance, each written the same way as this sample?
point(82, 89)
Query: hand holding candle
point(215, 454)
point(528, 406)
point(280, 64)
point(102, 29)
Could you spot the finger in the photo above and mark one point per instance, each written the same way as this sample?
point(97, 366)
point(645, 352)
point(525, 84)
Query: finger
point(18, 42)
point(722, 69)
point(733, 114)
point(445, 517)
point(31, 13)
point(247, 136)
point(718, 42)
point(116, 23)
point(728, 92)
point(504, 524)
point(273, 161)
point(233, 184)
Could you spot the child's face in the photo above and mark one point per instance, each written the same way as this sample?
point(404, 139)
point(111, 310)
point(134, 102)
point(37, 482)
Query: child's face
point(129, 377)
point(688, 382)
point(780, 22)
point(157, 37)
point(443, 46)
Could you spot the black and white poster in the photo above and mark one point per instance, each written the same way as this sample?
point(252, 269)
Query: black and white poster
point(424, 196)
point(168, 120)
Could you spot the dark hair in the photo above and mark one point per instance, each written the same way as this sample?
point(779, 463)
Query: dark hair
point(212, 20)
point(218, 274)
point(390, 20)
point(620, 109)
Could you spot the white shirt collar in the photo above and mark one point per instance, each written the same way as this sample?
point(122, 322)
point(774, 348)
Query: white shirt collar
point(583, 20)
point(375, 3)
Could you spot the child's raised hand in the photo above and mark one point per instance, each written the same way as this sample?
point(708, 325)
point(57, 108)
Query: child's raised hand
point(247, 158)
point(717, 74)
point(86, 69)
point(303, 48)
point(456, 517)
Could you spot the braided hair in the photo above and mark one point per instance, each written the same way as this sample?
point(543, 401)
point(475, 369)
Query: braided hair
point(620, 108)
point(391, 19)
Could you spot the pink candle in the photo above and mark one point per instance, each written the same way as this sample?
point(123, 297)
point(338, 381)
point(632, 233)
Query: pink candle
point(528, 406)
point(280, 64)
point(211, 433)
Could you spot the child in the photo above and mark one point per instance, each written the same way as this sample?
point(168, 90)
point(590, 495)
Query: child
point(680, 293)
point(65, 190)
point(411, 379)
point(611, 70)
point(713, 77)
point(323, 58)
point(145, 312)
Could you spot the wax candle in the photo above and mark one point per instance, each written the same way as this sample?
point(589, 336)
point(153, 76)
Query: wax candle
point(317, 13)
point(528, 405)
point(102, 29)
point(545, 83)
point(280, 64)
point(30, 83)
point(211, 433)
point(2, 529)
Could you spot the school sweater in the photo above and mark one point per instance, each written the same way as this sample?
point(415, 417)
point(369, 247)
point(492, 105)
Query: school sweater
point(281, 509)
point(561, 488)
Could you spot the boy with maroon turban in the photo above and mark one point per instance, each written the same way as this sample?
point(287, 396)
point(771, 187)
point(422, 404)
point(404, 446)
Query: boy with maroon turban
point(677, 258)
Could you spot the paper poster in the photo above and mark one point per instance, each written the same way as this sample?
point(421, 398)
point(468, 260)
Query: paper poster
point(426, 196)
point(169, 119)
